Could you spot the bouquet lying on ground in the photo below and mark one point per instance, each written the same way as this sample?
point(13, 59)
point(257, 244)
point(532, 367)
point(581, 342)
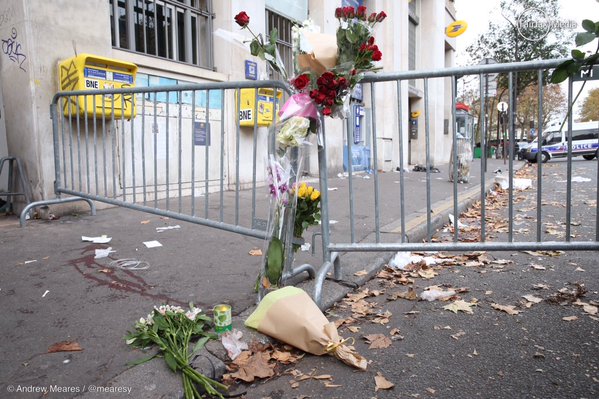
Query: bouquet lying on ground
point(290, 315)
point(171, 329)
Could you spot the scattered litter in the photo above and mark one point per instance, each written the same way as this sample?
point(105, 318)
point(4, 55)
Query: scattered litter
point(66, 361)
point(333, 188)
point(305, 247)
point(130, 264)
point(532, 298)
point(400, 260)
point(497, 171)
point(103, 239)
point(333, 221)
point(232, 342)
point(579, 179)
point(421, 168)
point(382, 383)
point(361, 273)
point(145, 222)
point(365, 177)
point(518, 184)
point(435, 293)
point(152, 244)
point(537, 267)
point(570, 318)
point(162, 229)
point(255, 252)
point(45, 293)
point(460, 224)
point(103, 253)
point(65, 346)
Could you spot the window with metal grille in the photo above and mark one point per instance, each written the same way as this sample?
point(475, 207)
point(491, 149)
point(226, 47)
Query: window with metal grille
point(284, 43)
point(178, 30)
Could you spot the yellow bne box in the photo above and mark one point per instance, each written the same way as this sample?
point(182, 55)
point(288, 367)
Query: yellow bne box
point(92, 72)
point(266, 108)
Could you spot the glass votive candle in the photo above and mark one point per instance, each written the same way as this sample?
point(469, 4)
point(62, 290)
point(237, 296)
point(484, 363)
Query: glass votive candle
point(222, 318)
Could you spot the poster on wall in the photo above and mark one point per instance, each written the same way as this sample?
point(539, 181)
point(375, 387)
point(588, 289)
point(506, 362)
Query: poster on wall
point(201, 133)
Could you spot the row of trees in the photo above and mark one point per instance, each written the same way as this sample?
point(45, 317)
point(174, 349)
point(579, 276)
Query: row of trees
point(509, 40)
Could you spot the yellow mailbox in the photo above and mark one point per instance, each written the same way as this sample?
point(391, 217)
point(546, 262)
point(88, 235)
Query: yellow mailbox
point(267, 106)
point(92, 72)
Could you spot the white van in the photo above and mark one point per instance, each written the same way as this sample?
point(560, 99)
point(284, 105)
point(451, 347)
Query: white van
point(585, 142)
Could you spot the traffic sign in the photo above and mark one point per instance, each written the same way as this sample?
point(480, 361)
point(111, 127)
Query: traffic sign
point(502, 106)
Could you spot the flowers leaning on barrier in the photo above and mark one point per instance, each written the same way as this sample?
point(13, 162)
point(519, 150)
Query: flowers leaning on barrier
point(307, 210)
point(171, 328)
point(326, 69)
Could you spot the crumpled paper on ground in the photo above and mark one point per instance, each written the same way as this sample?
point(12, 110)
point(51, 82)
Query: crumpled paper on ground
point(290, 315)
point(233, 344)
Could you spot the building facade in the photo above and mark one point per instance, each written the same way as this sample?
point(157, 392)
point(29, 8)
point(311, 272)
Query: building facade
point(194, 41)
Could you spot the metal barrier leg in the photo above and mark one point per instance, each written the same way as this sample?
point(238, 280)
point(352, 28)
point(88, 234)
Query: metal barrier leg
point(23, 217)
point(322, 275)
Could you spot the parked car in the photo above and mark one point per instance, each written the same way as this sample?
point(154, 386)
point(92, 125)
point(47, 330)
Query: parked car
point(584, 142)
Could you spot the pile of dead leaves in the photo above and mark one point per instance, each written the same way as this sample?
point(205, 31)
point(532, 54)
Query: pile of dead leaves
point(260, 361)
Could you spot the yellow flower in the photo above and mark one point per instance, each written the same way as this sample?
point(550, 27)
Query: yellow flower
point(315, 195)
point(302, 191)
point(310, 190)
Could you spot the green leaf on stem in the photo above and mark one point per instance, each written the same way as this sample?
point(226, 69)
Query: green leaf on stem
point(589, 26)
point(141, 361)
point(170, 360)
point(561, 72)
point(577, 54)
point(199, 345)
point(583, 38)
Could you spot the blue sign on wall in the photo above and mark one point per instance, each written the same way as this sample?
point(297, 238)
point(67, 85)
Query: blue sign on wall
point(201, 133)
point(251, 70)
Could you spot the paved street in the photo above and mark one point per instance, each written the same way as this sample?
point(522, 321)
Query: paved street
point(53, 290)
point(548, 349)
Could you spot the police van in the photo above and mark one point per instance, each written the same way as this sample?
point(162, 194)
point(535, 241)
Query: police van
point(584, 142)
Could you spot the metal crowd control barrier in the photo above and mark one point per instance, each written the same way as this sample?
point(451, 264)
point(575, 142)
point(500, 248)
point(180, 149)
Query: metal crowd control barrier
point(179, 156)
point(395, 85)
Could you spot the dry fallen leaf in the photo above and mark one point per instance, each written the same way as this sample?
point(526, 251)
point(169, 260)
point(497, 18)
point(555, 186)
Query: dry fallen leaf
point(294, 384)
point(394, 331)
point(410, 295)
point(570, 318)
point(427, 274)
point(532, 298)
point(255, 252)
point(329, 385)
point(381, 382)
point(145, 222)
point(431, 391)
point(361, 273)
point(65, 346)
point(460, 305)
point(378, 341)
point(353, 329)
point(509, 309)
point(253, 365)
point(537, 267)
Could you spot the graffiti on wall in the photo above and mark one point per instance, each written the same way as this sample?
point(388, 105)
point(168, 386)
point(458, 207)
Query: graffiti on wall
point(13, 49)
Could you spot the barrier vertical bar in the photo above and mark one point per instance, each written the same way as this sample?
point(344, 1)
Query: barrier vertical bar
point(133, 183)
point(511, 156)
point(207, 156)
point(454, 132)
point(104, 139)
point(237, 139)
point(155, 134)
point(55, 140)
point(222, 154)
point(539, 164)
point(180, 149)
point(168, 150)
point(193, 154)
point(324, 192)
point(401, 162)
point(143, 147)
point(483, 159)
point(350, 179)
point(255, 155)
point(113, 136)
point(95, 144)
point(78, 108)
point(124, 152)
point(377, 209)
point(86, 143)
point(569, 172)
point(428, 163)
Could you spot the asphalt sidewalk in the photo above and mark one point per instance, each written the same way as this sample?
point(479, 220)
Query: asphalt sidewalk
point(53, 289)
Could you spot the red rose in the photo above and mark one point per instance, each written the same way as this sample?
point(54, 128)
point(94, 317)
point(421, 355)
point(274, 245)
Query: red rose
point(301, 82)
point(329, 101)
point(320, 98)
point(372, 17)
point(314, 94)
point(342, 82)
point(361, 12)
point(381, 16)
point(242, 19)
point(371, 40)
point(339, 12)
point(377, 55)
point(326, 111)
